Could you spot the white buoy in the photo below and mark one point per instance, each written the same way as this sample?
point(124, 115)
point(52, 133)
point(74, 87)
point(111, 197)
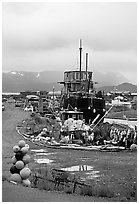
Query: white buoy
point(133, 147)
point(26, 182)
point(26, 145)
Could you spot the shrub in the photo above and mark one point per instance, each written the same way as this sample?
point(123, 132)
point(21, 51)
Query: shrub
point(86, 190)
point(132, 192)
point(104, 191)
point(68, 191)
point(4, 177)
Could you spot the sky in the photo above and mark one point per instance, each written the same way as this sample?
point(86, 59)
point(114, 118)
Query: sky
point(45, 36)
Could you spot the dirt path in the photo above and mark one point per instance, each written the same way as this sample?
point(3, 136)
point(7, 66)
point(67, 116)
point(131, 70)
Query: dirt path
point(17, 193)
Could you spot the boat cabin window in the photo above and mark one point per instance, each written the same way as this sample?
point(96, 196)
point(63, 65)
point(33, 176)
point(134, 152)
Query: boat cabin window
point(83, 75)
point(77, 75)
point(77, 116)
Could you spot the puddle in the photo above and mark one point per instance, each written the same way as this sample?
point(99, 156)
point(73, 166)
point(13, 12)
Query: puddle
point(44, 154)
point(88, 170)
point(78, 168)
point(84, 159)
point(38, 150)
point(43, 161)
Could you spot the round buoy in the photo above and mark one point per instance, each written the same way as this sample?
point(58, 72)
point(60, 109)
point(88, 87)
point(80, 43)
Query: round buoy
point(16, 148)
point(25, 173)
point(21, 143)
point(16, 178)
point(26, 145)
point(26, 159)
point(133, 147)
point(19, 164)
point(19, 155)
point(14, 160)
point(26, 182)
point(14, 170)
point(24, 150)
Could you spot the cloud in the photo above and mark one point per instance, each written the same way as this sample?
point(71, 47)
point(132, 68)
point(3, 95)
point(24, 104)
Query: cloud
point(52, 25)
point(43, 35)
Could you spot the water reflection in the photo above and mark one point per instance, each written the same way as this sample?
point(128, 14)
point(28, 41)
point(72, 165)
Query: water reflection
point(92, 174)
point(87, 170)
point(38, 150)
point(44, 154)
point(43, 161)
point(78, 168)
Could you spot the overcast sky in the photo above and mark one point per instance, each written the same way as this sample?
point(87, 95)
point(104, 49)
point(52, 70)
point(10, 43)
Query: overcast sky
point(45, 36)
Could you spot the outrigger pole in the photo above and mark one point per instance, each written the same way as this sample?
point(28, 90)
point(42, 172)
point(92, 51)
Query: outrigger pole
point(102, 117)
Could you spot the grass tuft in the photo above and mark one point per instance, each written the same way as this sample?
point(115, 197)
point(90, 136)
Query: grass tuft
point(104, 191)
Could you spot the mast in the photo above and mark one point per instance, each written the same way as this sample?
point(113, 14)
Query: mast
point(86, 64)
point(86, 71)
point(80, 48)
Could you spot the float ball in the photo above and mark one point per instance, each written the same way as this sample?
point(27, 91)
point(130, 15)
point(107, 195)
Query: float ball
point(21, 143)
point(19, 155)
point(16, 178)
point(26, 159)
point(26, 145)
point(133, 147)
point(24, 150)
point(19, 164)
point(16, 148)
point(14, 160)
point(14, 170)
point(26, 182)
point(25, 173)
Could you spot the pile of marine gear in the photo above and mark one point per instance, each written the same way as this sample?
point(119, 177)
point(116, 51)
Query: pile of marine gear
point(51, 131)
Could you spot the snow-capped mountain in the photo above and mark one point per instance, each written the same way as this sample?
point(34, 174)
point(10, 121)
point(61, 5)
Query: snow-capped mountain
point(16, 81)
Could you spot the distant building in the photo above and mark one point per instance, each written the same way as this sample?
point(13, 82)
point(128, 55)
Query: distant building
point(121, 101)
point(41, 94)
point(23, 94)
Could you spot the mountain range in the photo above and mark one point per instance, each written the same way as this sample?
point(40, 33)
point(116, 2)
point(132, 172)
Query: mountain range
point(121, 87)
point(16, 81)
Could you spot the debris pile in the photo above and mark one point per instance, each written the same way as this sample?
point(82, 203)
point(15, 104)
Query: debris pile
point(51, 131)
point(20, 171)
point(122, 135)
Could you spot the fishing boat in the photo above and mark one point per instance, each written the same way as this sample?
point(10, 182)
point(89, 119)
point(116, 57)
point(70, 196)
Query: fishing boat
point(79, 94)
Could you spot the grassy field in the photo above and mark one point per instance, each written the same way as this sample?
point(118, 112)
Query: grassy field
point(117, 171)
